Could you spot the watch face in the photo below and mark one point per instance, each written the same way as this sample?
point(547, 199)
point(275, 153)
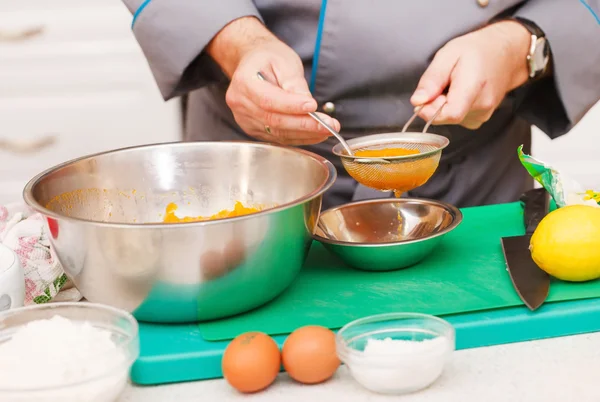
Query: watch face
point(541, 55)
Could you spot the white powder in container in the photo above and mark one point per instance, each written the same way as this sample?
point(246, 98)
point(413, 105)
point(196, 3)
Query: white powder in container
point(392, 366)
point(61, 360)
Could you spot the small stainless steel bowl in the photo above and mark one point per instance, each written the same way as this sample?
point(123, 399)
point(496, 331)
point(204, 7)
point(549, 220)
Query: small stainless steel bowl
point(386, 234)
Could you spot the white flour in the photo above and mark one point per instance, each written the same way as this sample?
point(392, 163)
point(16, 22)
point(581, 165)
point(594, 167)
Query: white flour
point(399, 366)
point(56, 352)
point(389, 346)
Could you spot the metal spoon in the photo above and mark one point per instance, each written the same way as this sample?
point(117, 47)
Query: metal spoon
point(345, 144)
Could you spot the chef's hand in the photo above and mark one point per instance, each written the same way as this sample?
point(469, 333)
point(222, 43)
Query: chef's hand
point(480, 68)
point(268, 112)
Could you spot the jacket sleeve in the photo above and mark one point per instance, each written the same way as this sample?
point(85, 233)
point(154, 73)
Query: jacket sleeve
point(174, 33)
point(556, 104)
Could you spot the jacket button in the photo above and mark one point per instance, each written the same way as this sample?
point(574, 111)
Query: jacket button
point(329, 107)
point(483, 3)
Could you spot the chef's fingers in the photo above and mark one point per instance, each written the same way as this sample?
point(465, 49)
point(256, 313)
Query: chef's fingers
point(291, 79)
point(486, 103)
point(288, 137)
point(259, 130)
point(284, 137)
point(436, 78)
point(268, 95)
point(472, 123)
point(429, 110)
point(465, 87)
point(295, 132)
point(475, 120)
point(303, 122)
point(481, 111)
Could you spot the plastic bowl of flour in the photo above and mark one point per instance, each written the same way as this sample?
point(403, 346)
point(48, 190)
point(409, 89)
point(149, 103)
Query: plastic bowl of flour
point(396, 353)
point(67, 352)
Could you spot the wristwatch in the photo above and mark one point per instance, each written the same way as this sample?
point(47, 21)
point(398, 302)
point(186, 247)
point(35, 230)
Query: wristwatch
point(538, 58)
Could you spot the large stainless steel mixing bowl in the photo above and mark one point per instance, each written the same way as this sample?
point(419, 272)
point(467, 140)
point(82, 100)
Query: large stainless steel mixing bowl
point(386, 234)
point(104, 213)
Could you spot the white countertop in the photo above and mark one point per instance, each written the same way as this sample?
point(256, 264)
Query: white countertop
point(560, 369)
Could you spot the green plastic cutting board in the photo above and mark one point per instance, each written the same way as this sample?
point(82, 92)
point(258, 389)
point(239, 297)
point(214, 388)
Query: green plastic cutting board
point(175, 353)
point(467, 272)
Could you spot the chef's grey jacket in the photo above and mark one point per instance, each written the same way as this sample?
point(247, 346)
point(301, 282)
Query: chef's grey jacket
point(363, 60)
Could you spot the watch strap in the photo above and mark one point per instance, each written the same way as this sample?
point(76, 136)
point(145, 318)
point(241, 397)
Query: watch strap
point(530, 26)
point(538, 39)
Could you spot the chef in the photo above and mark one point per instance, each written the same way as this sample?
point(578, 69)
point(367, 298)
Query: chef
point(496, 66)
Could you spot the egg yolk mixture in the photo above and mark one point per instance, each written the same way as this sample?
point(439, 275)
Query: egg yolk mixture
point(385, 152)
point(391, 177)
point(238, 210)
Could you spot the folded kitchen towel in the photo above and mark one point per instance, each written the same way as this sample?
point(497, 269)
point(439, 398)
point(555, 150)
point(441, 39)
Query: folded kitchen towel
point(24, 231)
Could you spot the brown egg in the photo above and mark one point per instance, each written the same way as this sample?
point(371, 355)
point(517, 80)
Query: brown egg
point(309, 354)
point(251, 362)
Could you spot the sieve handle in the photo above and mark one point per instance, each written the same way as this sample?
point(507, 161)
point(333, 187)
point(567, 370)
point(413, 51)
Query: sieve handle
point(321, 122)
point(414, 116)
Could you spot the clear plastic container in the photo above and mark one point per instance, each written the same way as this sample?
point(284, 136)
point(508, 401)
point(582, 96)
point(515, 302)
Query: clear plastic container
point(396, 353)
point(103, 384)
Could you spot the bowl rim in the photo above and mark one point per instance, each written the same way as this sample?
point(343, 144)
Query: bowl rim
point(458, 217)
point(410, 137)
point(133, 339)
point(345, 351)
point(321, 188)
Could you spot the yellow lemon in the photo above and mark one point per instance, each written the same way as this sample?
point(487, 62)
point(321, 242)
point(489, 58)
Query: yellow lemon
point(566, 243)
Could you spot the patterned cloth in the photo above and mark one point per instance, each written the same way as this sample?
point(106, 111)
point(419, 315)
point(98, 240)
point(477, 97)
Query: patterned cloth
point(24, 231)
